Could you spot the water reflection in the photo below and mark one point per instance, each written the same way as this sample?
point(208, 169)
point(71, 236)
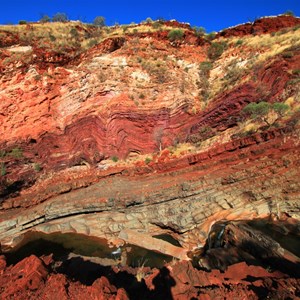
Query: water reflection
point(61, 245)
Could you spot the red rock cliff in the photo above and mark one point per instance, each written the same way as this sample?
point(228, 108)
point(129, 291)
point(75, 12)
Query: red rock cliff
point(136, 132)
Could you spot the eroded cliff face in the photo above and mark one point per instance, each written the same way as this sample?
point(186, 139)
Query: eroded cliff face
point(140, 136)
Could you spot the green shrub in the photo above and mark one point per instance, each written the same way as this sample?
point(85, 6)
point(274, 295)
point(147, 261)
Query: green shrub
point(157, 25)
point(92, 43)
point(203, 82)
point(233, 74)
point(211, 36)
point(289, 13)
point(256, 110)
point(22, 22)
point(2, 169)
point(296, 27)
point(156, 69)
point(37, 167)
point(149, 20)
point(293, 81)
point(148, 160)
point(287, 54)
point(239, 42)
point(37, 77)
point(205, 66)
point(175, 34)
point(199, 31)
point(52, 38)
point(282, 31)
point(216, 49)
point(280, 108)
point(16, 153)
point(74, 33)
point(261, 109)
point(124, 28)
point(114, 158)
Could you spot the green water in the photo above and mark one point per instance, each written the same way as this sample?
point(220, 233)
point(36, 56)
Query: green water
point(60, 245)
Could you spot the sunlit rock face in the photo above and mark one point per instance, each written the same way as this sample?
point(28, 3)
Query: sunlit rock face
point(260, 26)
point(141, 135)
point(185, 202)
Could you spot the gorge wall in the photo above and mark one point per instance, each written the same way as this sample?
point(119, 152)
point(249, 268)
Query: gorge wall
point(142, 134)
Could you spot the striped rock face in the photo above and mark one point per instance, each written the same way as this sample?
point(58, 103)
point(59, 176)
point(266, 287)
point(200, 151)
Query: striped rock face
point(143, 135)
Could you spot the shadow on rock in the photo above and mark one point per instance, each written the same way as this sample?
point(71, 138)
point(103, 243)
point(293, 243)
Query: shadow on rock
point(87, 272)
point(163, 283)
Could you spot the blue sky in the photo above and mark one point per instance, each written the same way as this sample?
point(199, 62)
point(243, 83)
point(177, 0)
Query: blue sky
point(213, 15)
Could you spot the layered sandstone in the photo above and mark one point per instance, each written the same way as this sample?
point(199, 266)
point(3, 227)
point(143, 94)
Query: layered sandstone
point(174, 202)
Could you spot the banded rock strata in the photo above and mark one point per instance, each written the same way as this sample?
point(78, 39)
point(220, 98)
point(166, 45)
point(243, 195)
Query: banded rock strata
point(138, 95)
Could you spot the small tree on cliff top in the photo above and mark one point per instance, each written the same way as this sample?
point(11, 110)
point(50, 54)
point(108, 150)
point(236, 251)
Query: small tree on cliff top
point(289, 13)
point(45, 19)
point(99, 21)
point(199, 31)
point(60, 17)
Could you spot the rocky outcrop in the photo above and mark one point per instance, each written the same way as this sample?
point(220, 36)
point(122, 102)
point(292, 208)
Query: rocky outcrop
point(76, 116)
point(35, 279)
point(210, 186)
point(32, 279)
point(234, 282)
point(9, 39)
point(261, 26)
